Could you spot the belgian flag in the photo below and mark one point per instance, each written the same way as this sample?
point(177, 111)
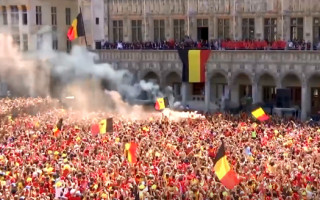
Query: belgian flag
point(106, 125)
point(260, 115)
point(226, 175)
point(77, 28)
point(57, 129)
point(194, 65)
point(161, 103)
point(131, 151)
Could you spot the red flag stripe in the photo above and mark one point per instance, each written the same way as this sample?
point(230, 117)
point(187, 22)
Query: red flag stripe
point(230, 180)
point(204, 56)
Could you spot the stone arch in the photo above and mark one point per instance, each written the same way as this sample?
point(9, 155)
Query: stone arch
point(235, 75)
point(313, 91)
point(217, 71)
point(218, 85)
point(293, 82)
point(312, 75)
point(290, 79)
point(173, 79)
point(151, 76)
point(241, 89)
point(266, 74)
point(266, 87)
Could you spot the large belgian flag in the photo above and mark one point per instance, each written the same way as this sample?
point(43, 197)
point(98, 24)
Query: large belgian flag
point(223, 171)
point(194, 65)
point(106, 125)
point(77, 28)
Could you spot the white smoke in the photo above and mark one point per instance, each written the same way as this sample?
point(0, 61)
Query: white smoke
point(80, 77)
point(66, 68)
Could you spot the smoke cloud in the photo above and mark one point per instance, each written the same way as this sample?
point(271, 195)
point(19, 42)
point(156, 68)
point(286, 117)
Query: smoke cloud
point(78, 75)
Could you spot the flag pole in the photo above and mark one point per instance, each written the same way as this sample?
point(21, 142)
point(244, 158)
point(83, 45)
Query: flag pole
point(84, 31)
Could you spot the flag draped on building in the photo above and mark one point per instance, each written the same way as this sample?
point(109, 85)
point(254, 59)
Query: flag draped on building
point(161, 103)
point(77, 28)
point(222, 168)
point(194, 65)
point(260, 115)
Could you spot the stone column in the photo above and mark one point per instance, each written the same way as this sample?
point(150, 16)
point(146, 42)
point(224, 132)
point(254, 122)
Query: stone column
point(305, 100)
point(184, 93)
point(255, 94)
point(207, 96)
point(260, 93)
point(215, 27)
point(226, 98)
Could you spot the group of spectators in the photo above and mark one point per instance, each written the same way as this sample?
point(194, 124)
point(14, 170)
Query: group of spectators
point(274, 160)
point(214, 45)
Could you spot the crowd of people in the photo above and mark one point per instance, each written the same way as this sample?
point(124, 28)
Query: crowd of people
point(276, 159)
point(214, 45)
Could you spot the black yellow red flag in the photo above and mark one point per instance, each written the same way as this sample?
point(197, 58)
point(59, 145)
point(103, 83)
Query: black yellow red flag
point(106, 125)
point(161, 103)
point(194, 65)
point(77, 28)
point(222, 168)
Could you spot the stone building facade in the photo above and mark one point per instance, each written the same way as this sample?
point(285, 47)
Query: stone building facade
point(231, 75)
point(153, 20)
point(37, 23)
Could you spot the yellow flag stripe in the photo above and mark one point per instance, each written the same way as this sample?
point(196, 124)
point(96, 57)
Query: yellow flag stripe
point(194, 66)
point(222, 167)
point(161, 103)
point(74, 25)
point(258, 113)
point(103, 126)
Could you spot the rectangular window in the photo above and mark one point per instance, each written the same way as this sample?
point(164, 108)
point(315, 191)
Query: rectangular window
point(198, 89)
point(68, 16)
point(54, 41)
point(97, 20)
point(269, 94)
point(38, 15)
point(202, 23)
point(248, 28)
point(25, 42)
point(54, 16)
point(117, 31)
point(223, 28)
point(136, 26)
point(159, 30)
point(16, 40)
point(270, 29)
point(24, 15)
point(316, 30)
point(39, 41)
point(178, 29)
point(4, 15)
point(296, 29)
point(14, 15)
point(69, 46)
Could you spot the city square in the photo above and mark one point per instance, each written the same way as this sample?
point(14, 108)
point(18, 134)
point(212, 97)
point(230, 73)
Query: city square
point(159, 99)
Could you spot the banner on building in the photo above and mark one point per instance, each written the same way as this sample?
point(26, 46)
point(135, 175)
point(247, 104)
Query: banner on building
point(194, 65)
